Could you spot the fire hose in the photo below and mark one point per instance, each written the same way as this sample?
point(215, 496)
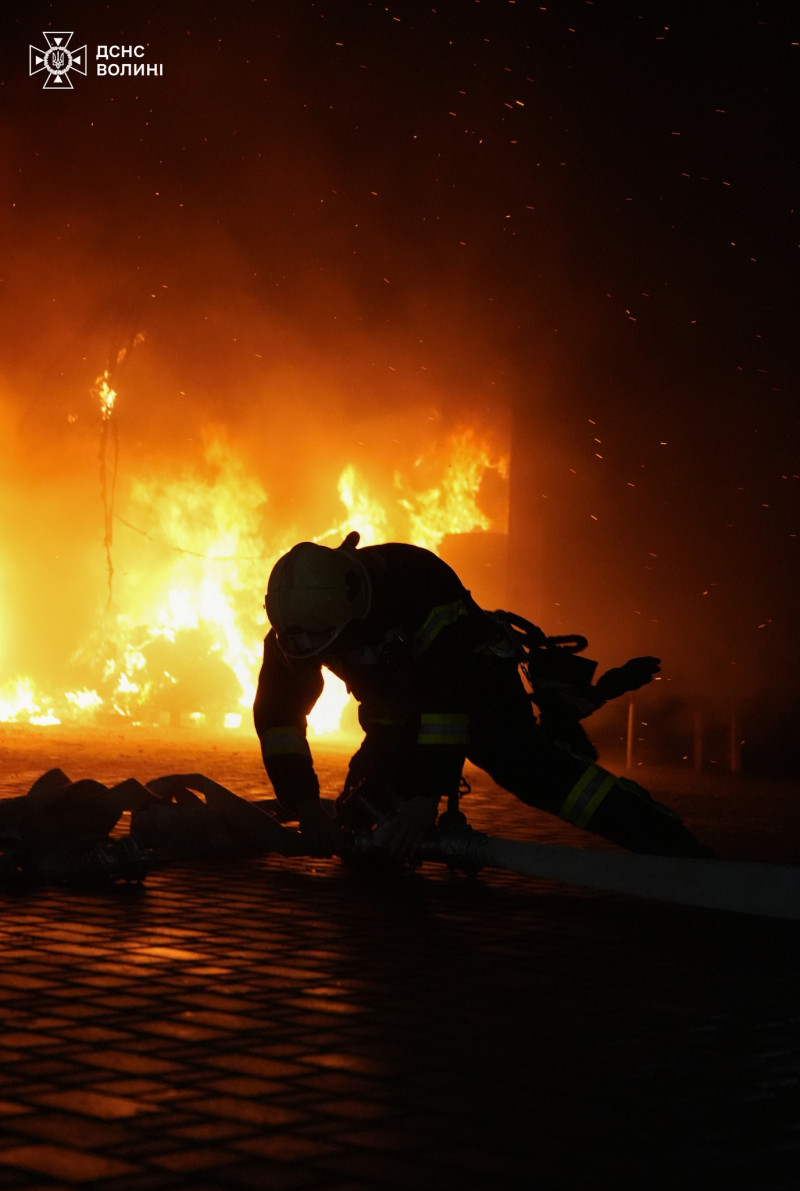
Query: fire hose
point(744, 887)
point(770, 890)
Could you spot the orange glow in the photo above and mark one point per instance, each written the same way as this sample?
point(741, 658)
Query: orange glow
point(450, 504)
point(363, 514)
point(326, 715)
point(106, 394)
point(179, 641)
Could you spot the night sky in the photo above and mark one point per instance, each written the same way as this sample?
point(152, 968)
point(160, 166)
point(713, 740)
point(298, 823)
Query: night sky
point(573, 219)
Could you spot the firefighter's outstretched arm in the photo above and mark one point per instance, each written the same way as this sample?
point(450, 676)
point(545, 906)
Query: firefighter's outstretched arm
point(635, 673)
point(284, 698)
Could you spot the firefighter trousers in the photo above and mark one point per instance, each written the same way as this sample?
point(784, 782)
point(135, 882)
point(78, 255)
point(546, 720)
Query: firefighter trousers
point(506, 741)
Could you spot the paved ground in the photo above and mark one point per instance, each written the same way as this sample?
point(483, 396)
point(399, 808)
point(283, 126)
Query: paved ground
point(296, 1024)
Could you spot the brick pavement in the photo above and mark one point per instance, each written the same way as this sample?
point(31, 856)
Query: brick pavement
point(299, 1024)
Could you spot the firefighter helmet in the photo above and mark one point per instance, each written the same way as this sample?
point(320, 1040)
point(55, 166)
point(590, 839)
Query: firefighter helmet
point(314, 592)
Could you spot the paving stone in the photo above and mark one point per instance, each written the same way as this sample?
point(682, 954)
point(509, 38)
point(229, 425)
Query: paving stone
point(347, 1062)
point(286, 1147)
point(178, 1030)
point(242, 1085)
point(121, 1060)
point(23, 1040)
point(299, 1024)
point(95, 1104)
point(68, 1129)
point(11, 980)
point(147, 1089)
point(9, 1108)
point(213, 1131)
point(341, 1082)
point(61, 1161)
point(256, 1065)
point(191, 1161)
point(253, 1112)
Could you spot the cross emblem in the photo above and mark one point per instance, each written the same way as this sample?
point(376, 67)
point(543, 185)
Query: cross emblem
point(57, 60)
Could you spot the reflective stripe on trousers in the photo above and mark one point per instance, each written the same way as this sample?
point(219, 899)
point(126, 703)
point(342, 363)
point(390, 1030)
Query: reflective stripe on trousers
point(586, 795)
point(442, 727)
point(283, 742)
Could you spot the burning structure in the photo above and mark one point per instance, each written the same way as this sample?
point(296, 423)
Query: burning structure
point(173, 635)
point(537, 307)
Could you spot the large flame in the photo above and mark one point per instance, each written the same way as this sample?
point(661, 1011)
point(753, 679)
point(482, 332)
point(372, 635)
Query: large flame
point(179, 640)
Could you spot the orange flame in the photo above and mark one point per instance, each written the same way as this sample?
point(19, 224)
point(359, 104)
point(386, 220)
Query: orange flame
point(106, 394)
point(182, 640)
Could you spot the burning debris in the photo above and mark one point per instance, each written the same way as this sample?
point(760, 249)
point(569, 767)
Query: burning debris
point(564, 222)
point(188, 548)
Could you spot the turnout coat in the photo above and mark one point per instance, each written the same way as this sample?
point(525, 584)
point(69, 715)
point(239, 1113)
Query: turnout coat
point(408, 665)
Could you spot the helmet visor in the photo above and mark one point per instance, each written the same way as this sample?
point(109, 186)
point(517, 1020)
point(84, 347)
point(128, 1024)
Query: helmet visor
point(299, 643)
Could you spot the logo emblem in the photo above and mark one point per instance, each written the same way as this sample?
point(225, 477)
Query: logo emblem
point(58, 60)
